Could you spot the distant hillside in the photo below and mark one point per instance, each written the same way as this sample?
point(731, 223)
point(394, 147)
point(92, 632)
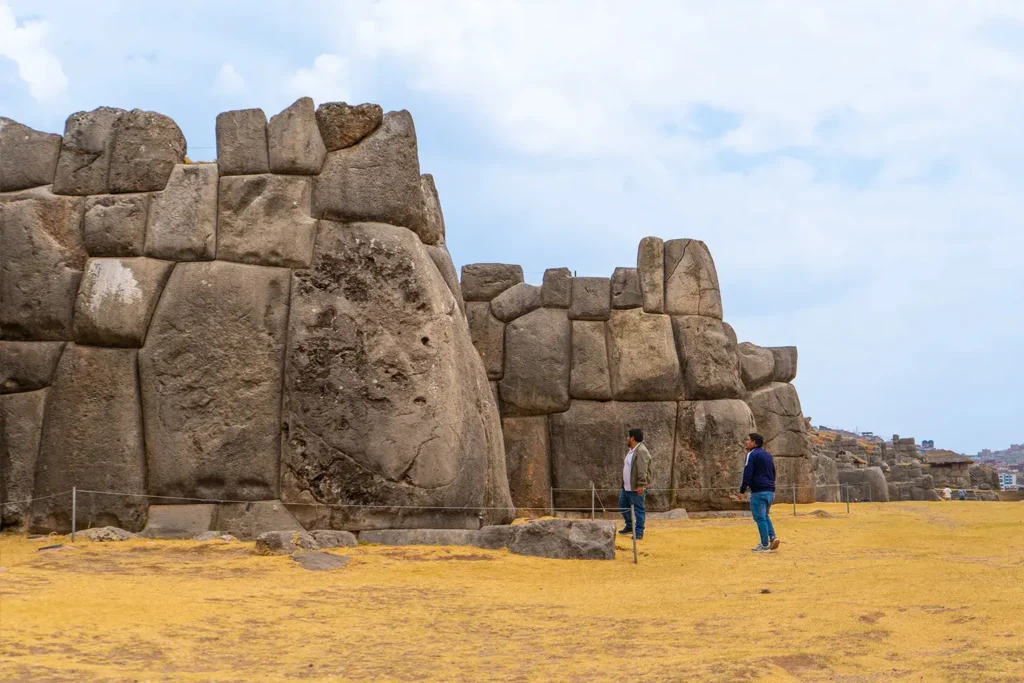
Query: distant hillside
point(1013, 454)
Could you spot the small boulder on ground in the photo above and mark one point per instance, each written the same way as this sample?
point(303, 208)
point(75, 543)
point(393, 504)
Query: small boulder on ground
point(329, 538)
point(320, 562)
point(215, 536)
point(565, 539)
point(284, 542)
point(107, 533)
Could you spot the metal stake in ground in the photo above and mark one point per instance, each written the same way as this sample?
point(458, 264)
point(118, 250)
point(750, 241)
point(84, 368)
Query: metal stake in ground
point(593, 496)
point(632, 513)
point(74, 511)
point(847, 486)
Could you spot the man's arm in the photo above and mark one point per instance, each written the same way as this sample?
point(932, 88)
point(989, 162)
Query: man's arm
point(643, 470)
point(748, 474)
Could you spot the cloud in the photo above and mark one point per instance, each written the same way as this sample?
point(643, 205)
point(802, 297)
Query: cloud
point(229, 81)
point(326, 81)
point(37, 66)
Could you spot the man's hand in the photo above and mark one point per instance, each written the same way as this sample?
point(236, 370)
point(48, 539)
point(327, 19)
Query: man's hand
point(640, 490)
point(738, 497)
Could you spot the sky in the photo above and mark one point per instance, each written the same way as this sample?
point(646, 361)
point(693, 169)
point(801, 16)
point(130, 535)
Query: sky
point(854, 167)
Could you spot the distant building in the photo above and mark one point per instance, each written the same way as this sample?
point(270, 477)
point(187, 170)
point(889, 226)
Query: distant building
point(1008, 481)
point(928, 445)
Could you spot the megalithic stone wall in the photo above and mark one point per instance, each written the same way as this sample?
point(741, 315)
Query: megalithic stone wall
point(285, 324)
point(578, 361)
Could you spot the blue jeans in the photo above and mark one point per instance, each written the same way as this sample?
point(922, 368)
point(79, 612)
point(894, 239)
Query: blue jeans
point(627, 498)
point(760, 506)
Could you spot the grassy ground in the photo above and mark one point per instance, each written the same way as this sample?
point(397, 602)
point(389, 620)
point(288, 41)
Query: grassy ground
point(911, 591)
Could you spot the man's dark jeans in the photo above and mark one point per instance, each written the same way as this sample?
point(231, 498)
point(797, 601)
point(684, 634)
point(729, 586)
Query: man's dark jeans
point(627, 498)
point(760, 507)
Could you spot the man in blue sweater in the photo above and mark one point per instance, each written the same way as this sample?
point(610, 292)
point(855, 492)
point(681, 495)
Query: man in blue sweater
point(759, 477)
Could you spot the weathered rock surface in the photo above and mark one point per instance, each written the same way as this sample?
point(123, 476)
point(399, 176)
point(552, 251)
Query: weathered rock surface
point(247, 521)
point(515, 302)
point(265, 220)
point(565, 539)
point(588, 444)
point(293, 140)
point(484, 281)
point(488, 336)
point(432, 231)
point(420, 537)
point(320, 562)
point(115, 224)
point(386, 402)
point(107, 534)
point(826, 479)
point(785, 363)
point(179, 521)
point(588, 376)
point(757, 365)
point(866, 484)
point(528, 463)
point(709, 451)
point(556, 291)
point(377, 180)
point(28, 157)
point(343, 125)
point(211, 381)
point(710, 361)
point(691, 281)
point(27, 366)
point(21, 423)
point(731, 334)
point(214, 536)
point(242, 142)
point(83, 165)
point(538, 349)
point(642, 357)
point(591, 298)
point(443, 260)
point(677, 513)
point(284, 542)
point(331, 538)
point(182, 224)
point(626, 289)
point(650, 266)
point(92, 438)
point(41, 261)
point(780, 420)
point(116, 300)
point(146, 148)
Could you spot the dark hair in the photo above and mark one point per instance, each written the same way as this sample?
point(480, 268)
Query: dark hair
point(757, 439)
point(637, 434)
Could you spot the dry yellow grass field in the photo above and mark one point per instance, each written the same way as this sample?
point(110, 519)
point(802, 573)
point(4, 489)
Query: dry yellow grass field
point(910, 591)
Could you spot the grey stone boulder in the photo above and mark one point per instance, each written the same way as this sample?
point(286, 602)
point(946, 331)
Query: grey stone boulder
point(182, 222)
point(265, 220)
point(710, 361)
point(179, 521)
point(92, 438)
point(931, 495)
point(343, 125)
point(446, 268)
point(332, 538)
point(528, 463)
point(21, 423)
point(43, 257)
point(147, 146)
point(284, 542)
point(798, 472)
point(642, 357)
point(496, 537)
point(826, 479)
point(675, 513)
point(780, 420)
point(785, 363)
point(730, 332)
point(515, 302)
point(115, 224)
point(320, 562)
point(588, 375)
point(565, 539)
point(27, 366)
point(211, 381)
point(247, 521)
point(757, 365)
point(650, 266)
point(214, 536)
point(591, 298)
point(488, 336)
point(83, 165)
point(376, 180)
point(691, 280)
point(626, 289)
point(28, 157)
point(432, 231)
point(293, 140)
point(421, 537)
point(709, 452)
point(538, 350)
point(556, 291)
point(106, 534)
point(242, 142)
point(116, 300)
point(484, 281)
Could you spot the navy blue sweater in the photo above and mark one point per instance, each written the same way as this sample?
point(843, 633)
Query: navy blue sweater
point(759, 473)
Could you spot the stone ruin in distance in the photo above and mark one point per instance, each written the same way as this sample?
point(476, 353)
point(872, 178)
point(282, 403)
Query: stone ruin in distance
point(286, 324)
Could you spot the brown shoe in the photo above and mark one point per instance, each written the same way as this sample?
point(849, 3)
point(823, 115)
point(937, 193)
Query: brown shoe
point(774, 545)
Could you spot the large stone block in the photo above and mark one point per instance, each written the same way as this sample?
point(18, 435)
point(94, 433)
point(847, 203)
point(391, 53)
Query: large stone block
point(446, 537)
point(528, 464)
point(626, 289)
point(484, 281)
point(265, 220)
point(538, 351)
point(28, 158)
point(242, 142)
point(642, 357)
point(246, 521)
point(294, 142)
point(785, 364)
point(41, 261)
point(556, 291)
point(588, 444)
point(446, 268)
point(650, 266)
point(757, 365)
point(182, 224)
point(115, 224)
point(179, 521)
point(515, 302)
point(92, 439)
point(432, 231)
point(376, 180)
point(588, 377)
point(146, 148)
point(211, 381)
point(710, 362)
point(798, 473)
point(343, 125)
point(21, 423)
point(709, 452)
point(865, 484)
point(116, 300)
point(826, 479)
point(27, 366)
point(565, 539)
point(591, 298)
point(691, 281)
point(780, 420)
point(83, 165)
point(386, 401)
point(488, 336)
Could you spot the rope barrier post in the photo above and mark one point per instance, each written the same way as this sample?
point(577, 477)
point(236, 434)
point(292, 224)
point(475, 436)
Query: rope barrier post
point(794, 500)
point(632, 512)
point(552, 501)
point(593, 496)
point(74, 511)
point(847, 487)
